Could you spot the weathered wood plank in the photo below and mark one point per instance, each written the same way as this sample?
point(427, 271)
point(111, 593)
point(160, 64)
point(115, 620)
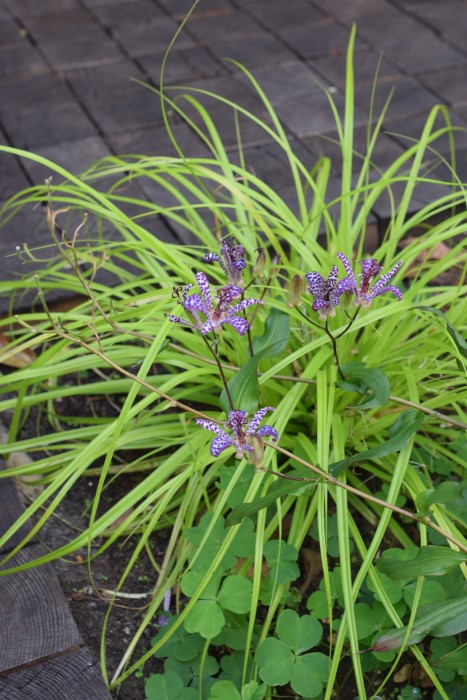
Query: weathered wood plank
point(35, 620)
point(10, 510)
point(71, 676)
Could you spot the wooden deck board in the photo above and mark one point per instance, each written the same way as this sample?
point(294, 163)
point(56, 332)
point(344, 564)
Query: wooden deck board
point(35, 620)
point(71, 676)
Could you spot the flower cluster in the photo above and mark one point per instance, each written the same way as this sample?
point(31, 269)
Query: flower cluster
point(230, 259)
point(328, 292)
point(215, 311)
point(243, 432)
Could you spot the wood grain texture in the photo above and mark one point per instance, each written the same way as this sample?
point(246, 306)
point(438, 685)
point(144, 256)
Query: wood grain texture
point(10, 510)
point(72, 676)
point(35, 620)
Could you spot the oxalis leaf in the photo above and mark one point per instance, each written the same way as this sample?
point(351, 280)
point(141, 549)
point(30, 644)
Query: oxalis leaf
point(244, 386)
point(428, 561)
point(459, 340)
point(168, 686)
point(367, 381)
point(400, 433)
point(439, 620)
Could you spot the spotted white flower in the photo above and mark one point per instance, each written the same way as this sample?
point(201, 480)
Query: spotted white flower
point(363, 292)
point(215, 311)
point(230, 259)
point(243, 432)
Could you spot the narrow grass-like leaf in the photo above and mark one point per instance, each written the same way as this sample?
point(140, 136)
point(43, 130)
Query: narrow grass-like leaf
point(403, 429)
point(443, 620)
point(428, 561)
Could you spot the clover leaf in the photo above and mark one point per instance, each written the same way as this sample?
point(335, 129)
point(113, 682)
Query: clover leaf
point(168, 686)
point(281, 661)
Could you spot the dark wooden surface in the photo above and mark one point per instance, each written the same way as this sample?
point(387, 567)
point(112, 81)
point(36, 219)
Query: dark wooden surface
point(42, 654)
point(71, 676)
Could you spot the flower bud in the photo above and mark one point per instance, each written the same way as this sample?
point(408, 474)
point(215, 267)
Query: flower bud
point(256, 456)
point(296, 289)
point(275, 266)
point(260, 263)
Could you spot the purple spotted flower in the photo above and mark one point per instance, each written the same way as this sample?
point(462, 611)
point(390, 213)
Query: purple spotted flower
point(230, 259)
point(215, 312)
point(244, 433)
point(364, 293)
point(325, 292)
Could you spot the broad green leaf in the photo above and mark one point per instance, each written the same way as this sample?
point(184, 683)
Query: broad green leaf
point(317, 603)
point(253, 691)
point(309, 674)
point(442, 620)
point(454, 661)
point(180, 645)
point(367, 381)
point(281, 558)
point(299, 633)
point(244, 386)
point(192, 579)
point(275, 661)
point(447, 493)
point(235, 594)
point(276, 334)
point(428, 561)
point(206, 618)
point(403, 429)
point(224, 690)
point(458, 339)
point(168, 686)
point(365, 620)
point(281, 487)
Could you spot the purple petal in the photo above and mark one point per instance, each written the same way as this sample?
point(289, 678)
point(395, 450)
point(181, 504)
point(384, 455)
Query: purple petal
point(257, 418)
point(236, 421)
point(212, 257)
point(375, 292)
point(268, 430)
point(385, 278)
point(210, 425)
point(195, 303)
point(315, 283)
point(177, 319)
point(204, 288)
point(226, 295)
point(243, 305)
point(348, 268)
point(240, 324)
point(219, 444)
point(320, 303)
point(332, 277)
point(370, 268)
point(208, 326)
point(345, 285)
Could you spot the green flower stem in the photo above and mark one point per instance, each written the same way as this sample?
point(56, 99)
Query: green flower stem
point(221, 372)
point(303, 380)
point(349, 325)
point(425, 520)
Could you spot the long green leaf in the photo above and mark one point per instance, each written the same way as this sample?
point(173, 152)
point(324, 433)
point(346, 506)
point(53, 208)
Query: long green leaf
point(429, 561)
point(403, 429)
